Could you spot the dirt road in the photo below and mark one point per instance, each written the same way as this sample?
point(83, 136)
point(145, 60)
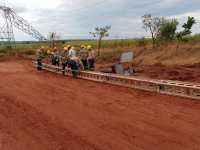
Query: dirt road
point(44, 111)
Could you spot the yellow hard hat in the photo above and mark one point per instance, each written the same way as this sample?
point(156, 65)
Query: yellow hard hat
point(42, 47)
point(69, 46)
point(48, 52)
point(55, 49)
point(65, 48)
point(89, 47)
point(82, 46)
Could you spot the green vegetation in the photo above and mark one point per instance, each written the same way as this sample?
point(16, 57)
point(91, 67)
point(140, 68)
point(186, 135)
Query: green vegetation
point(165, 39)
point(187, 27)
point(111, 49)
point(168, 30)
point(100, 33)
point(109, 43)
point(152, 25)
point(165, 30)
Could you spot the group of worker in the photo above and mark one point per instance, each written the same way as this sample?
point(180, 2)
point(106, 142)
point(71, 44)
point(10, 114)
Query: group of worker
point(70, 58)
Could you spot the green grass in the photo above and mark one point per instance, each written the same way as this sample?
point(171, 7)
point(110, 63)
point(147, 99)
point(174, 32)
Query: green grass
point(105, 43)
point(110, 49)
point(29, 48)
point(165, 52)
point(111, 54)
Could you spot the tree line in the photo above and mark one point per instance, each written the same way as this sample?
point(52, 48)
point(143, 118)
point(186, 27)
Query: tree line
point(162, 29)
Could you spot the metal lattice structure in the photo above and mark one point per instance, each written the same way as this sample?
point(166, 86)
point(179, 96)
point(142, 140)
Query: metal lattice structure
point(174, 88)
point(11, 20)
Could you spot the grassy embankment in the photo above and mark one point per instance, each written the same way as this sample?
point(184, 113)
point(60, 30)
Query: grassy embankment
point(165, 54)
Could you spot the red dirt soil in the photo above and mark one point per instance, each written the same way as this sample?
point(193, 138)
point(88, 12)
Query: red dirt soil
point(179, 73)
point(45, 111)
point(186, 73)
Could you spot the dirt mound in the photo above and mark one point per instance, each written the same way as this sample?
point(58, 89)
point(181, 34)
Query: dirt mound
point(179, 73)
point(186, 73)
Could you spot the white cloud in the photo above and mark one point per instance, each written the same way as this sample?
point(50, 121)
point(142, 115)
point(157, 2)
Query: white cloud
point(75, 18)
point(32, 4)
point(170, 3)
point(182, 18)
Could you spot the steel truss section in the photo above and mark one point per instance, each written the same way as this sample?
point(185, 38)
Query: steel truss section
point(174, 88)
point(11, 19)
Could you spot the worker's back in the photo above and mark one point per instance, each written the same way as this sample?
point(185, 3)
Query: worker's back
point(92, 54)
point(72, 53)
point(56, 55)
point(64, 56)
point(39, 54)
point(83, 54)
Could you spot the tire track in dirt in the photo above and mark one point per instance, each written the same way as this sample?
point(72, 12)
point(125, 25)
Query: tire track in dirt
point(49, 111)
point(43, 130)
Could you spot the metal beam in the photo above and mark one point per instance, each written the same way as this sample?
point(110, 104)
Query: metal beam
point(174, 88)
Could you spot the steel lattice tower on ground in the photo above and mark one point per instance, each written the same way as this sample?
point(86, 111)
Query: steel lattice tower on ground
point(11, 20)
point(6, 30)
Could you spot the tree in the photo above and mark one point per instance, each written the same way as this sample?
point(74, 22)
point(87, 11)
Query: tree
point(100, 33)
point(168, 30)
point(152, 24)
point(186, 29)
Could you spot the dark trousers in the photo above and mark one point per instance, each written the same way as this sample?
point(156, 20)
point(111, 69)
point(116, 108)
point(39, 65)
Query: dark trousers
point(91, 64)
point(55, 62)
point(39, 64)
point(85, 64)
point(74, 67)
point(64, 65)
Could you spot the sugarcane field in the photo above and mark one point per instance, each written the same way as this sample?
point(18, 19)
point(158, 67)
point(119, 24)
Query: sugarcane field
point(99, 75)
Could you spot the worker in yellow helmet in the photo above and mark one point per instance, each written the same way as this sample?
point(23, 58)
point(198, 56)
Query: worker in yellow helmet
point(75, 64)
point(66, 48)
point(83, 46)
point(83, 54)
point(89, 47)
point(39, 57)
point(64, 57)
point(48, 52)
point(51, 56)
point(72, 62)
point(91, 58)
point(72, 52)
point(65, 52)
point(56, 57)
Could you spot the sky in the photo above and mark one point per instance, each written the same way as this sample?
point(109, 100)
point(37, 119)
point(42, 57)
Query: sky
point(74, 19)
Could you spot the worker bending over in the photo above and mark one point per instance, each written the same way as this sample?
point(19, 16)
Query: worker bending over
point(39, 58)
point(75, 64)
point(83, 56)
point(91, 58)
